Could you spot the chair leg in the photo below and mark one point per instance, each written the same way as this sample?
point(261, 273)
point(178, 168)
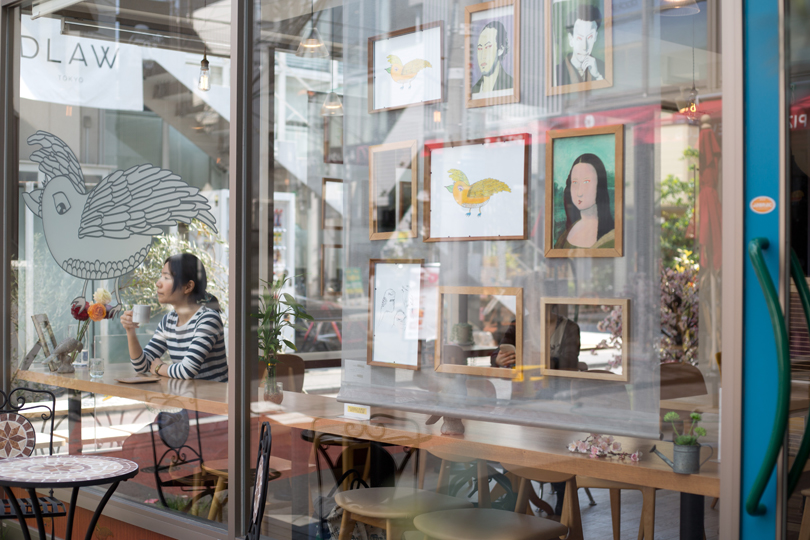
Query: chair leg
point(591, 502)
point(346, 526)
point(571, 517)
point(647, 526)
point(804, 532)
point(523, 496)
point(393, 530)
point(483, 485)
point(715, 501)
point(616, 512)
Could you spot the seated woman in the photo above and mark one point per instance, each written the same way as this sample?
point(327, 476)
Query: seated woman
point(192, 332)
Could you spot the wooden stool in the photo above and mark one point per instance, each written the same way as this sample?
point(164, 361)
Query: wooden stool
point(392, 509)
point(646, 528)
point(485, 524)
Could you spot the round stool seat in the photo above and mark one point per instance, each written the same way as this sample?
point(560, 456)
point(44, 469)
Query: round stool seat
point(486, 524)
point(396, 503)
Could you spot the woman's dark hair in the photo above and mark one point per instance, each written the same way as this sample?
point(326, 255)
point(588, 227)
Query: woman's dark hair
point(185, 267)
point(572, 213)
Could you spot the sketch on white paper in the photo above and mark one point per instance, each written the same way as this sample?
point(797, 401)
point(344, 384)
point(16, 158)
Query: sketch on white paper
point(395, 299)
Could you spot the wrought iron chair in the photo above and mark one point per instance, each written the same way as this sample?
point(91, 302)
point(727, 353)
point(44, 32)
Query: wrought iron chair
point(18, 438)
point(263, 477)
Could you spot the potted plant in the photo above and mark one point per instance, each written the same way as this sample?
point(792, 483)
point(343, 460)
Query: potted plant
point(686, 449)
point(277, 310)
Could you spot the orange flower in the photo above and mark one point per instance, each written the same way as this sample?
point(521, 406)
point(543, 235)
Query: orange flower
point(97, 312)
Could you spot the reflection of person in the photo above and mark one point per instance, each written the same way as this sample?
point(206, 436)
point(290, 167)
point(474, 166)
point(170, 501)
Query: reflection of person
point(579, 65)
point(493, 44)
point(588, 218)
point(192, 332)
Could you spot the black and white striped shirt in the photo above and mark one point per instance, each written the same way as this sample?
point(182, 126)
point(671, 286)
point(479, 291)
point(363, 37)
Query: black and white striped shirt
point(197, 349)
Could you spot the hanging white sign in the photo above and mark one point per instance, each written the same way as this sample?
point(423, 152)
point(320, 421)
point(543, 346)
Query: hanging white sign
point(78, 71)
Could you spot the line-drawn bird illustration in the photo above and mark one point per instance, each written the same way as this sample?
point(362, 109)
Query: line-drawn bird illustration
point(405, 74)
point(476, 195)
point(388, 305)
point(106, 232)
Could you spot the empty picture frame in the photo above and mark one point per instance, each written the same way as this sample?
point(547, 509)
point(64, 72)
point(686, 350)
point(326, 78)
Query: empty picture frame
point(492, 46)
point(332, 204)
point(585, 173)
point(464, 310)
point(405, 67)
point(392, 210)
point(333, 139)
point(45, 332)
point(585, 338)
point(579, 35)
point(394, 313)
point(478, 189)
point(331, 270)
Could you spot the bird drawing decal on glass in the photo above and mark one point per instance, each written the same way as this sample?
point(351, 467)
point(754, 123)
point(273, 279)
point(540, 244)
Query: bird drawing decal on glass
point(106, 232)
point(405, 74)
point(476, 195)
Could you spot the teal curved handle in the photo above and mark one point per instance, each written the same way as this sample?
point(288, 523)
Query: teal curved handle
point(752, 504)
point(804, 447)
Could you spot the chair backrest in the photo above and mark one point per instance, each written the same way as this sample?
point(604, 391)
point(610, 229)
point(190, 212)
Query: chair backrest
point(681, 380)
point(17, 434)
point(260, 484)
point(290, 371)
point(173, 429)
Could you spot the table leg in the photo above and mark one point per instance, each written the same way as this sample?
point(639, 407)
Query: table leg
point(74, 497)
point(16, 505)
point(216, 504)
point(692, 507)
point(37, 512)
point(74, 422)
point(97, 514)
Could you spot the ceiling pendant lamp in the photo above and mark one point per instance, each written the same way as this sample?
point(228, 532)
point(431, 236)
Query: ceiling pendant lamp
point(313, 46)
point(332, 106)
point(204, 82)
point(678, 8)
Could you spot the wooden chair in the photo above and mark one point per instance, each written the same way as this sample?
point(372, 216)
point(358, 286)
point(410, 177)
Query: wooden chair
point(260, 483)
point(485, 524)
point(290, 371)
point(680, 379)
point(646, 529)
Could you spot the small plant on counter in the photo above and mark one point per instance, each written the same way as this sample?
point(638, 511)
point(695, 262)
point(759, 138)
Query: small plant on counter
point(687, 438)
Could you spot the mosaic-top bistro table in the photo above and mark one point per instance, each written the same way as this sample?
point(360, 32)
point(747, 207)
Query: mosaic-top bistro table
point(76, 471)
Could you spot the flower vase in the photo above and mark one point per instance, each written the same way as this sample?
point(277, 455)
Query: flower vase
point(273, 390)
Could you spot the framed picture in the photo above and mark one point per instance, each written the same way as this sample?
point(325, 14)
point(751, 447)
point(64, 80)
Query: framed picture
point(392, 212)
point(394, 312)
point(492, 47)
point(331, 270)
point(477, 190)
point(333, 139)
point(579, 45)
point(405, 68)
point(584, 192)
point(45, 333)
point(585, 338)
point(332, 204)
point(472, 323)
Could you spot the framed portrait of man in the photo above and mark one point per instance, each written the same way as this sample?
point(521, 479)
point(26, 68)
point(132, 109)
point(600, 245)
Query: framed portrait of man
point(579, 45)
point(492, 47)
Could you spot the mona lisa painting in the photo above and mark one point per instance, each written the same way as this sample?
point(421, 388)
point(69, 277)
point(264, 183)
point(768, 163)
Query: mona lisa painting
point(584, 188)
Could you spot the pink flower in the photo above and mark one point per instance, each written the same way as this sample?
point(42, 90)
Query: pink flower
point(635, 456)
point(616, 447)
point(572, 447)
point(582, 447)
point(595, 451)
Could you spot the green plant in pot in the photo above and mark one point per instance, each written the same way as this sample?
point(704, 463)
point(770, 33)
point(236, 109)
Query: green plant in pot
point(277, 310)
point(686, 449)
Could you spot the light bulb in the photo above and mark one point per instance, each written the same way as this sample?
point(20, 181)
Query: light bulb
point(313, 46)
point(332, 106)
point(677, 8)
point(204, 83)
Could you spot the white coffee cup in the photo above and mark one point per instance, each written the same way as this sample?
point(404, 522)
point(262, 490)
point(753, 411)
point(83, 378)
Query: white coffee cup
point(141, 314)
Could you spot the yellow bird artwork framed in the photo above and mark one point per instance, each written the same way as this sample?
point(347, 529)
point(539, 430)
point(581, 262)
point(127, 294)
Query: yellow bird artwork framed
point(406, 68)
point(477, 189)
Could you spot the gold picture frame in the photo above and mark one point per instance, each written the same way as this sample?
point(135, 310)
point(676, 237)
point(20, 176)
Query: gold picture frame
point(492, 15)
point(600, 145)
point(442, 332)
point(603, 375)
point(384, 162)
point(556, 47)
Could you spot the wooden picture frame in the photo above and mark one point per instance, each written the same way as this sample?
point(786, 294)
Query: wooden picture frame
point(557, 47)
point(503, 158)
point(442, 340)
point(333, 139)
point(44, 331)
point(325, 225)
point(607, 145)
point(388, 276)
point(421, 49)
point(383, 161)
point(476, 18)
point(324, 269)
point(545, 356)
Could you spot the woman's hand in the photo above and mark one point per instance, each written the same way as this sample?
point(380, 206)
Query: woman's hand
point(505, 358)
point(126, 322)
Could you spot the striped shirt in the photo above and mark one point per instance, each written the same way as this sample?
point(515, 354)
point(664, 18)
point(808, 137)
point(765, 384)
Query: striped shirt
point(197, 349)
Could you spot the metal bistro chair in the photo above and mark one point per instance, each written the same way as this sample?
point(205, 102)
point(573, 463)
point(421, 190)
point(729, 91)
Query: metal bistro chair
point(263, 477)
point(18, 438)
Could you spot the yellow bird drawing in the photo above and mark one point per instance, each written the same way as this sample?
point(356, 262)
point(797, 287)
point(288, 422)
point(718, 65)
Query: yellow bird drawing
point(476, 195)
point(405, 74)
